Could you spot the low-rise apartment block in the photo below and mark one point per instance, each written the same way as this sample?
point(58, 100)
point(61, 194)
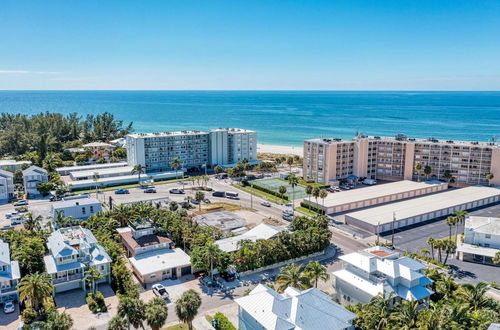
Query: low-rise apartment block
point(195, 149)
point(9, 274)
point(72, 251)
point(153, 257)
point(78, 207)
point(386, 158)
point(7, 188)
point(32, 176)
point(13, 165)
point(99, 150)
point(481, 240)
point(378, 270)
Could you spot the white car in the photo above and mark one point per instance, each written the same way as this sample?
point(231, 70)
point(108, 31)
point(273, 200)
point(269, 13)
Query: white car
point(369, 182)
point(9, 307)
point(160, 291)
point(266, 204)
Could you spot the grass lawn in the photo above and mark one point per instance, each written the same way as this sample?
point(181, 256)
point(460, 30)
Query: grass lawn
point(261, 194)
point(127, 186)
point(304, 183)
point(306, 211)
point(180, 326)
point(227, 206)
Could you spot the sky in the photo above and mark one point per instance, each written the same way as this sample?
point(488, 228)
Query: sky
point(250, 45)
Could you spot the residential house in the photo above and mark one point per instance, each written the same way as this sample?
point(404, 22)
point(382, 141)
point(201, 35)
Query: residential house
point(32, 176)
point(481, 240)
point(7, 188)
point(13, 165)
point(264, 308)
point(259, 232)
point(9, 274)
point(72, 251)
point(153, 257)
point(379, 270)
point(78, 207)
point(99, 150)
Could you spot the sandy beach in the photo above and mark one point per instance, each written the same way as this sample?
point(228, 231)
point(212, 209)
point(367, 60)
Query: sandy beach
point(280, 149)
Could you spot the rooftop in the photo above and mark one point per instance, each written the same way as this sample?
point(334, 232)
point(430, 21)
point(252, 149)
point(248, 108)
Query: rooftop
point(140, 223)
point(162, 134)
point(7, 162)
point(143, 241)
point(224, 220)
point(103, 171)
point(422, 205)
point(484, 225)
point(89, 167)
point(262, 231)
point(158, 260)
point(97, 144)
point(84, 201)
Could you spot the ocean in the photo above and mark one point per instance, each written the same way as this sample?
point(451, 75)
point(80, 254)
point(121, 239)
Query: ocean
point(282, 117)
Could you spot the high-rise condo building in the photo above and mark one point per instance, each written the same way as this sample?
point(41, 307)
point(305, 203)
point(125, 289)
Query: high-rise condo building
point(222, 146)
point(387, 158)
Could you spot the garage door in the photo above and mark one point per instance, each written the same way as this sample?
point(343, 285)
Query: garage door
point(68, 286)
point(186, 270)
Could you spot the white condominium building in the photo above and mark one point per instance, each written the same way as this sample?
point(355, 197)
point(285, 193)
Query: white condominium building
point(395, 158)
point(378, 270)
point(221, 146)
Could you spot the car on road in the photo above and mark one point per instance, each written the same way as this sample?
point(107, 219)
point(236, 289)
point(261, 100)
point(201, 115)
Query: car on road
point(266, 204)
point(16, 220)
point(369, 182)
point(207, 201)
point(345, 187)
point(85, 194)
point(288, 217)
point(160, 291)
point(194, 201)
point(219, 194)
point(150, 191)
point(176, 191)
point(21, 202)
point(9, 307)
point(121, 191)
point(12, 214)
point(55, 198)
point(330, 189)
point(228, 276)
point(290, 212)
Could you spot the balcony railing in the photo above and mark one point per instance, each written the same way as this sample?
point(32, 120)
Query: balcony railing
point(67, 278)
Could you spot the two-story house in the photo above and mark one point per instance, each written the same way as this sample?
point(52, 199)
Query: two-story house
point(264, 308)
point(379, 270)
point(32, 176)
point(481, 240)
point(72, 251)
point(7, 188)
point(9, 274)
point(153, 257)
point(78, 207)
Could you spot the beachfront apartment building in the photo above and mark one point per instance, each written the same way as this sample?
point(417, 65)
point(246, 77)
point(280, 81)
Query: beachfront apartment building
point(195, 149)
point(7, 188)
point(386, 158)
point(379, 270)
point(32, 176)
point(72, 251)
point(9, 274)
point(481, 240)
point(264, 308)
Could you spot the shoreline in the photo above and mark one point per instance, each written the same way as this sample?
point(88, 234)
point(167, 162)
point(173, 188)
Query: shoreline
point(277, 149)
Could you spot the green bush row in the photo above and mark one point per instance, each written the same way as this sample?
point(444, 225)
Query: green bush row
point(312, 208)
point(269, 191)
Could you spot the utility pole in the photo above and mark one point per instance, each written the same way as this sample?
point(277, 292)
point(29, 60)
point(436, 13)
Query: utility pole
point(378, 233)
point(251, 196)
point(393, 220)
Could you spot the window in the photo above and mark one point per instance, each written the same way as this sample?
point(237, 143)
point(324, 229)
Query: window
point(487, 235)
point(83, 210)
point(91, 209)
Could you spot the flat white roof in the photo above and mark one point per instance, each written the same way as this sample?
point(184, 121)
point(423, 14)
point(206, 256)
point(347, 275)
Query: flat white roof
point(162, 134)
point(371, 192)
point(6, 162)
point(89, 167)
point(422, 205)
point(103, 171)
point(159, 260)
point(84, 201)
point(262, 231)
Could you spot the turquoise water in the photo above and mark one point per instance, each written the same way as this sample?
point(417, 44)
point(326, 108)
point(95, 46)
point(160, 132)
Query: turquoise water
point(285, 117)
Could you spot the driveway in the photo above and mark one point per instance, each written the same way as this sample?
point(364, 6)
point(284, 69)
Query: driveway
point(10, 321)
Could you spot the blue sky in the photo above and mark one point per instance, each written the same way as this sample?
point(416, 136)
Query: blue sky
point(325, 45)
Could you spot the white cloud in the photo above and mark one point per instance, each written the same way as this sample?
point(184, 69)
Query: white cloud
point(27, 72)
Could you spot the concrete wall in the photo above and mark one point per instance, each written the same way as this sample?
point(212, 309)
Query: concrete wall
point(348, 294)
point(160, 275)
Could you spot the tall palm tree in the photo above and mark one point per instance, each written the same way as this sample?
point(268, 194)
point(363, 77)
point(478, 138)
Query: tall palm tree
point(309, 191)
point(289, 161)
point(418, 168)
point(92, 275)
point(118, 323)
point(156, 313)
point(133, 310)
point(406, 314)
point(138, 169)
point(449, 247)
point(427, 171)
point(33, 223)
point(431, 242)
point(315, 193)
point(323, 194)
point(450, 221)
point(490, 178)
point(176, 164)
point(438, 244)
point(292, 275)
point(460, 216)
point(186, 307)
point(35, 290)
point(293, 181)
point(316, 271)
point(199, 197)
point(95, 178)
point(474, 296)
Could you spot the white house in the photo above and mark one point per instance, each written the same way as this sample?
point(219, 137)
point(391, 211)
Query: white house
point(264, 308)
point(78, 207)
point(379, 270)
point(13, 165)
point(262, 231)
point(7, 188)
point(481, 239)
point(32, 176)
point(9, 274)
point(72, 251)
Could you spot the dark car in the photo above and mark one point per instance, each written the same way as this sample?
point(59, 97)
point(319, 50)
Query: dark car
point(194, 201)
point(219, 194)
point(121, 191)
point(228, 276)
point(55, 198)
point(150, 190)
point(176, 191)
point(207, 201)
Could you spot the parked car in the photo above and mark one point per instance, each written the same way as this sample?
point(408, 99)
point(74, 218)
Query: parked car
point(266, 204)
point(369, 182)
point(184, 205)
point(287, 217)
point(21, 202)
point(228, 276)
point(16, 220)
point(9, 307)
point(219, 194)
point(55, 198)
point(121, 191)
point(194, 201)
point(207, 201)
point(85, 194)
point(330, 189)
point(150, 191)
point(12, 214)
point(160, 291)
point(345, 187)
point(176, 191)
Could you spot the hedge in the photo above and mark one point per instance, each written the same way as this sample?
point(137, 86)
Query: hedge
point(223, 322)
point(266, 190)
point(312, 208)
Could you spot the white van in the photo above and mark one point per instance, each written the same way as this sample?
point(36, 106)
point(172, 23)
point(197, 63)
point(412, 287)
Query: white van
point(369, 182)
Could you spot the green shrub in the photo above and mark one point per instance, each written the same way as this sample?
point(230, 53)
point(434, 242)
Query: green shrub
point(268, 191)
point(96, 302)
point(223, 322)
point(312, 207)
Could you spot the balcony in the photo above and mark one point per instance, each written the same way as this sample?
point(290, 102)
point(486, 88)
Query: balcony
point(68, 278)
point(7, 290)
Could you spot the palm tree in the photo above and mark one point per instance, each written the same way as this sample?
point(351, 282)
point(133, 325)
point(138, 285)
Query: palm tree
point(431, 242)
point(315, 193)
point(218, 169)
point(490, 178)
point(176, 164)
point(309, 190)
point(199, 197)
point(293, 181)
point(292, 275)
point(460, 216)
point(133, 310)
point(316, 271)
point(323, 194)
point(289, 161)
point(446, 287)
point(92, 275)
point(55, 321)
point(474, 296)
point(173, 206)
point(282, 190)
point(186, 307)
point(118, 323)
point(449, 247)
point(425, 252)
point(450, 221)
point(33, 223)
point(447, 175)
point(138, 169)
point(438, 244)
point(95, 178)
point(418, 168)
point(427, 171)
point(156, 313)
point(35, 290)
point(406, 314)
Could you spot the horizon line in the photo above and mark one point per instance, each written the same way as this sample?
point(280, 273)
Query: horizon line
point(246, 90)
